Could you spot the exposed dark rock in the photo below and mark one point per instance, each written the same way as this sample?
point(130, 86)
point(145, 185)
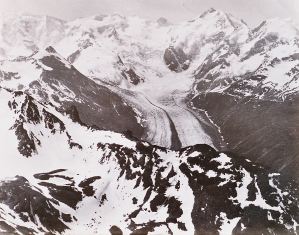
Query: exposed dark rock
point(263, 131)
point(98, 106)
point(29, 113)
point(73, 113)
point(128, 73)
point(88, 189)
point(176, 59)
point(23, 199)
point(66, 194)
point(46, 176)
point(114, 230)
point(212, 195)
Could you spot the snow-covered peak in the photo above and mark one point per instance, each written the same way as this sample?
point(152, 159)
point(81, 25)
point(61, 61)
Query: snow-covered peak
point(93, 44)
point(50, 52)
point(77, 175)
point(30, 26)
point(221, 18)
point(26, 33)
point(96, 21)
point(207, 12)
point(200, 37)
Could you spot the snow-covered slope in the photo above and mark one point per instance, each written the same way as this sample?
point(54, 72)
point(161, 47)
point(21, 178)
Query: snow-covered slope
point(47, 76)
point(137, 59)
point(69, 89)
point(54, 179)
point(250, 91)
point(50, 78)
point(129, 50)
point(264, 66)
point(20, 35)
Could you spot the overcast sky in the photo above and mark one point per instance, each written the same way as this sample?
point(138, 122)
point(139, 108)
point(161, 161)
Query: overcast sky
point(252, 11)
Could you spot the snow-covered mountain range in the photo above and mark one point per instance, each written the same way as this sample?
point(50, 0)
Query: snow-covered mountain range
point(120, 125)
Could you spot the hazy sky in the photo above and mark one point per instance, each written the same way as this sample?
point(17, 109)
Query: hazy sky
point(252, 11)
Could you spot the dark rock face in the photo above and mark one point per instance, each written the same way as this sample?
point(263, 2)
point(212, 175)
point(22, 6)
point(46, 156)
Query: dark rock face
point(73, 113)
point(28, 204)
point(176, 59)
point(96, 105)
point(114, 230)
point(256, 113)
point(195, 190)
point(73, 57)
point(128, 73)
point(263, 131)
point(214, 194)
point(210, 198)
point(29, 111)
point(68, 194)
point(220, 187)
point(86, 186)
point(8, 75)
point(27, 141)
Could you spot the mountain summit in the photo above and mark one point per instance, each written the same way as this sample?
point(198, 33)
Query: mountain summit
point(121, 125)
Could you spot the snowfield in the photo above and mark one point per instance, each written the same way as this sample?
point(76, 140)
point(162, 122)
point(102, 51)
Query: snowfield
point(112, 181)
point(108, 126)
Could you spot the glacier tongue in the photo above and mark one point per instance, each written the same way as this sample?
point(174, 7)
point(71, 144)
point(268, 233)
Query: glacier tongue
point(73, 185)
point(63, 171)
point(162, 105)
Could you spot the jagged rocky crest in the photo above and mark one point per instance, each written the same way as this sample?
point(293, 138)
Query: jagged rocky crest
point(194, 190)
point(123, 126)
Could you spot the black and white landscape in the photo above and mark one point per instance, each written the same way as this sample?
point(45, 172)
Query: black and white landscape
point(121, 125)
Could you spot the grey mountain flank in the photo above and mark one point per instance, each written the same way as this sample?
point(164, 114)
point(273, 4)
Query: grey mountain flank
point(120, 125)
